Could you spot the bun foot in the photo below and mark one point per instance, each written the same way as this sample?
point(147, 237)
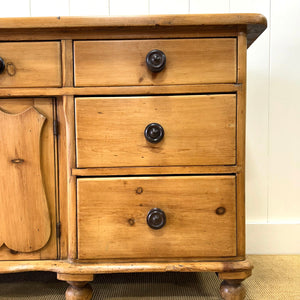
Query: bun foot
point(79, 290)
point(232, 290)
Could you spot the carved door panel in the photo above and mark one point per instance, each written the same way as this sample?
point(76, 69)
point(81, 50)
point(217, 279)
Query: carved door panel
point(27, 179)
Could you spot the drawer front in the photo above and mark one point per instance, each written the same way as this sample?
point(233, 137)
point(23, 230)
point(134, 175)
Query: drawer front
point(200, 217)
point(198, 130)
point(31, 64)
point(188, 61)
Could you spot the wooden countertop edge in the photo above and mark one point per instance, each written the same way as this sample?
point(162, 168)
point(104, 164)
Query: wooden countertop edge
point(256, 23)
point(67, 267)
point(134, 21)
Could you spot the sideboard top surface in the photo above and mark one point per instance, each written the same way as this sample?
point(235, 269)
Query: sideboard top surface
point(255, 24)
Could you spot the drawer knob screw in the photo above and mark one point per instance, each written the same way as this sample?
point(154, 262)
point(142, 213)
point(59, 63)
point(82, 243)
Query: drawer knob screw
point(156, 60)
point(2, 65)
point(154, 133)
point(220, 210)
point(156, 218)
point(139, 190)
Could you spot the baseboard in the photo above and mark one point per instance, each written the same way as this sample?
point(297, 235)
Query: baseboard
point(273, 238)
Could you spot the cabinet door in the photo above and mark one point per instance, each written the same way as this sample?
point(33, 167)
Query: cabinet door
point(27, 179)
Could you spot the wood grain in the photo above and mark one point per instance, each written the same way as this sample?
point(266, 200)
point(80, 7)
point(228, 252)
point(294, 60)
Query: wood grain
point(119, 230)
point(68, 109)
point(31, 64)
point(117, 90)
point(156, 170)
point(24, 216)
point(256, 23)
point(36, 210)
point(74, 267)
point(189, 61)
point(67, 62)
point(241, 137)
point(199, 130)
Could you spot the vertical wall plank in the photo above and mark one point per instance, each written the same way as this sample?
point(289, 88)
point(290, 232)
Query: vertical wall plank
point(129, 7)
point(209, 7)
point(257, 116)
point(43, 8)
point(285, 113)
point(89, 7)
point(169, 7)
point(15, 8)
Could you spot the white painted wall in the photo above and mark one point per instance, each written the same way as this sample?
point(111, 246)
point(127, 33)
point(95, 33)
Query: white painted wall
point(273, 107)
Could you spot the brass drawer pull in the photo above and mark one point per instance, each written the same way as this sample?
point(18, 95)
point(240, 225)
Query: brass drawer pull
point(156, 60)
point(156, 218)
point(154, 133)
point(2, 65)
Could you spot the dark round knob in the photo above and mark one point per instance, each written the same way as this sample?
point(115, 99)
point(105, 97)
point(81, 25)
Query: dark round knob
point(156, 60)
point(156, 218)
point(2, 65)
point(154, 133)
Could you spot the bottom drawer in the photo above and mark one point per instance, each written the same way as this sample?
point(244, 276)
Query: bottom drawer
point(197, 215)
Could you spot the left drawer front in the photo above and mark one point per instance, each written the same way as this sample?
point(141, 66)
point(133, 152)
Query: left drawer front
point(112, 215)
point(31, 64)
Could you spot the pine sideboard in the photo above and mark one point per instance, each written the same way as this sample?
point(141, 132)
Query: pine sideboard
point(123, 146)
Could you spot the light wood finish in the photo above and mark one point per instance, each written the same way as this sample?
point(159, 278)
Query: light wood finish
point(32, 182)
point(241, 138)
point(75, 277)
point(199, 166)
point(67, 63)
point(135, 90)
point(188, 61)
point(68, 109)
point(156, 170)
point(31, 64)
point(20, 162)
point(255, 23)
point(73, 267)
point(205, 134)
point(120, 230)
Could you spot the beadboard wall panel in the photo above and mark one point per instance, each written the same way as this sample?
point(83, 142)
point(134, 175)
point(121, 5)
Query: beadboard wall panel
point(47, 8)
point(168, 7)
point(257, 121)
point(129, 7)
point(209, 7)
point(90, 7)
point(15, 8)
point(284, 155)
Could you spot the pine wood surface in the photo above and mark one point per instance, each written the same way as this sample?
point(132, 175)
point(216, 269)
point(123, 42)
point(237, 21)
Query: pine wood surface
point(256, 23)
point(77, 268)
point(31, 214)
point(199, 130)
point(188, 61)
point(156, 170)
point(112, 217)
point(31, 64)
point(126, 90)
point(200, 100)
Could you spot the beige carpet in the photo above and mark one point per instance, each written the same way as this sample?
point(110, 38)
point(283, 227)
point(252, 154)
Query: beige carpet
point(274, 278)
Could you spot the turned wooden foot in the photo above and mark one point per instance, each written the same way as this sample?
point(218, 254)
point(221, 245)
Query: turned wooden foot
point(231, 287)
point(232, 290)
point(79, 290)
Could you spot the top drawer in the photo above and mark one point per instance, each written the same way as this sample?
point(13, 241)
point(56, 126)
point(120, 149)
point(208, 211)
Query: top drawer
point(188, 61)
point(30, 64)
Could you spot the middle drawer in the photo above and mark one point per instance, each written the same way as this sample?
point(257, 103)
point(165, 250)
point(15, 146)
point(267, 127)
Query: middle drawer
point(183, 130)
